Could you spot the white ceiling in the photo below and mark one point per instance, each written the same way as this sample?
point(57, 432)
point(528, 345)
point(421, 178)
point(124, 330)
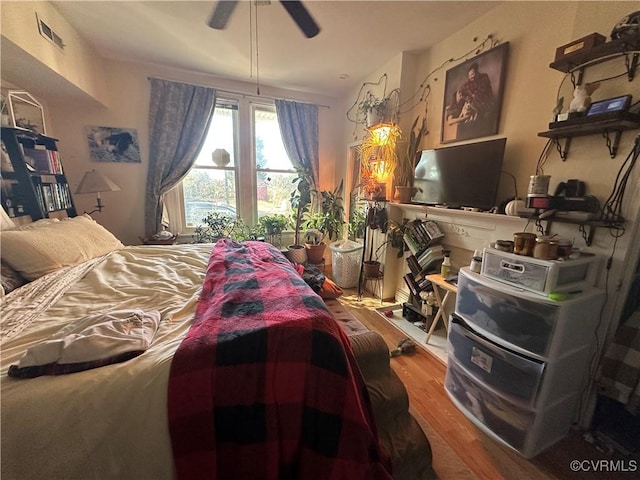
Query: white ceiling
point(356, 37)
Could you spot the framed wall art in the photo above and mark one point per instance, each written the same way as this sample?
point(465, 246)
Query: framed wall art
point(26, 112)
point(111, 144)
point(473, 96)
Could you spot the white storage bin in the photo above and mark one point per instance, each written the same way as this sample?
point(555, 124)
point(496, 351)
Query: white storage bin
point(538, 275)
point(346, 258)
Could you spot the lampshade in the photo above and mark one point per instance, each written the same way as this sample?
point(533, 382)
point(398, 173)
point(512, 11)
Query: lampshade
point(94, 182)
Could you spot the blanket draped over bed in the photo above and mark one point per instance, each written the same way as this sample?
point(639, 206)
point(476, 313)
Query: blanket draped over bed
point(265, 384)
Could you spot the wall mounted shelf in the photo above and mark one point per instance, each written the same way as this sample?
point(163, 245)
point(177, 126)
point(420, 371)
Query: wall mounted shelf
point(611, 129)
point(607, 128)
point(579, 60)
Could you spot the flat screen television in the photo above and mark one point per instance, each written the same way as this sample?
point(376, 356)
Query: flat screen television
point(460, 176)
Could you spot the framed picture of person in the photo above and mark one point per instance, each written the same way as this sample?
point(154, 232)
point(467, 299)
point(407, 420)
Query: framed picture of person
point(473, 96)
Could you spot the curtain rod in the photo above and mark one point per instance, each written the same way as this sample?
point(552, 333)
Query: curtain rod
point(244, 95)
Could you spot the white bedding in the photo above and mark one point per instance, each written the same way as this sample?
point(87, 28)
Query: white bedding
point(89, 424)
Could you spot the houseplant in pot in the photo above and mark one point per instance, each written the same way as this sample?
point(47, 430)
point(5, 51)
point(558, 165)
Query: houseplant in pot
point(300, 201)
point(272, 227)
point(373, 109)
point(405, 169)
point(327, 218)
point(378, 159)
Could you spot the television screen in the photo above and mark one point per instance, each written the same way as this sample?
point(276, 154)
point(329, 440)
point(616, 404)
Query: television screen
point(460, 176)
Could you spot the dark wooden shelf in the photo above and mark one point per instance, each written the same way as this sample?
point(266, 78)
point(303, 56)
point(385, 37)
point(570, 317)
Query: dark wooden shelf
point(591, 128)
point(594, 55)
point(604, 127)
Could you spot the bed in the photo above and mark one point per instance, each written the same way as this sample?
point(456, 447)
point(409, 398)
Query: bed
point(188, 350)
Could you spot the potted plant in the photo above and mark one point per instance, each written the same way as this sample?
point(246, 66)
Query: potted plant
point(327, 218)
point(405, 170)
point(378, 159)
point(373, 109)
point(215, 226)
point(272, 226)
point(395, 239)
point(300, 201)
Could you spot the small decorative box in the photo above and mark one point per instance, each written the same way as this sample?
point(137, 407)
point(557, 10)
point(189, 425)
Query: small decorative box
point(584, 43)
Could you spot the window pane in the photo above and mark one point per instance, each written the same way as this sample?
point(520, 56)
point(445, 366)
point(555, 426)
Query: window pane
point(274, 192)
point(221, 136)
point(206, 191)
point(274, 171)
point(270, 152)
point(210, 187)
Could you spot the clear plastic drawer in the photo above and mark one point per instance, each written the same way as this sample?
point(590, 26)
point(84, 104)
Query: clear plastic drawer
point(509, 422)
point(537, 275)
point(525, 322)
point(508, 372)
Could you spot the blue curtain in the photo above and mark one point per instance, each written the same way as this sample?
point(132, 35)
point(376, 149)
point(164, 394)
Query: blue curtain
point(179, 118)
point(299, 130)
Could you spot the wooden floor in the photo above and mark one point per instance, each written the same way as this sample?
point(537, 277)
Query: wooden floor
point(423, 375)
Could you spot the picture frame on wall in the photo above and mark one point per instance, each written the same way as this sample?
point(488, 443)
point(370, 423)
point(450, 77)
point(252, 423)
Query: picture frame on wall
point(26, 112)
point(113, 144)
point(473, 96)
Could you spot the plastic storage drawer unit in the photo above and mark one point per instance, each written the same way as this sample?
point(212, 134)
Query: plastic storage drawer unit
point(538, 275)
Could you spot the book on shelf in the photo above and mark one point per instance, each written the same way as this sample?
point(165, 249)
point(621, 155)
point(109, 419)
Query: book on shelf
point(412, 284)
point(42, 160)
point(435, 252)
point(429, 231)
point(413, 264)
point(411, 242)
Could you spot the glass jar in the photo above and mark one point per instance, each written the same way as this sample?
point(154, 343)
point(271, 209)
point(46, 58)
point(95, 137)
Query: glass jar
point(523, 243)
point(546, 248)
point(564, 247)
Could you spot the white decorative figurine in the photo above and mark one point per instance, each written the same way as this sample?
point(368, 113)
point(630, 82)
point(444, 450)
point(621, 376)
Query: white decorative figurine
point(582, 97)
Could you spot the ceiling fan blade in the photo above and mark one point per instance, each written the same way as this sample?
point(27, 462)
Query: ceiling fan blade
point(221, 14)
point(302, 17)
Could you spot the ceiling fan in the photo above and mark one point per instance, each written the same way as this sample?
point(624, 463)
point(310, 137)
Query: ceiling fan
point(294, 8)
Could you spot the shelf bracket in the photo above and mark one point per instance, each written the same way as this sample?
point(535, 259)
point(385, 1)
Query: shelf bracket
point(612, 146)
point(542, 230)
point(587, 236)
point(631, 65)
point(563, 152)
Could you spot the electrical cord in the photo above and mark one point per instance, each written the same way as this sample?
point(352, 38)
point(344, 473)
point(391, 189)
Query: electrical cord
point(612, 208)
point(544, 155)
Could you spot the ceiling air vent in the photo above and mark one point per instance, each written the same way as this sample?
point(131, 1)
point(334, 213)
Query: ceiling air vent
point(47, 32)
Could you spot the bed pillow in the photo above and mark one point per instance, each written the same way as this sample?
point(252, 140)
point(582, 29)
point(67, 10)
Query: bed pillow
point(38, 251)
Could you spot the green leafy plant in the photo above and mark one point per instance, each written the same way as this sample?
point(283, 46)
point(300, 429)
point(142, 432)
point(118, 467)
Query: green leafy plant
point(216, 226)
point(372, 103)
point(327, 215)
point(357, 222)
point(300, 201)
point(273, 224)
point(405, 169)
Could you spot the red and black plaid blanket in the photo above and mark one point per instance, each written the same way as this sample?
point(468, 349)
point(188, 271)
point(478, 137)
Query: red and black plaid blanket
point(265, 385)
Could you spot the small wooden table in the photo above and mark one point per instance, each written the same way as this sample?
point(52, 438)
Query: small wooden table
point(439, 283)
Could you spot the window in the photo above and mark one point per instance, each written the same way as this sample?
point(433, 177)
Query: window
point(242, 169)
